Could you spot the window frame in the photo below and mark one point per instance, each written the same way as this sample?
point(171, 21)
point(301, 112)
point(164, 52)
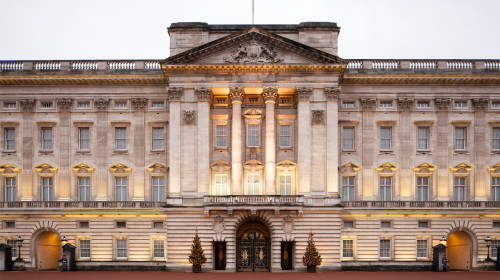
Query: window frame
point(250, 133)
point(456, 186)
point(155, 249)
point(223, 136)
point(124, 249)
point(13, 188)
point(6, 130)
point(44, 142)
point(281, 136)
point(50, 187)
point(81, 139)
point(253, 184)
point(154, 138)
point(381, 148)
point(426, 139)
point(160, 192)
point(464, 139)
point(81, 248)
point(349, 185)
point(344, 128)
point(88, 194)
point(117, 148)
point(495, 141)
point(388, 250)
point(422, 185)
point(385, 186)
point(495, 188)
point(420, 249)
point(122, 187)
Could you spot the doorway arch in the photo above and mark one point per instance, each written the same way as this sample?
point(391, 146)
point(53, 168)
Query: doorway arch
point(459, 251)
point(47, 250)
point(253, 247)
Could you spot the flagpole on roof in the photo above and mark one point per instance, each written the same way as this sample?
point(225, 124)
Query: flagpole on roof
point(252, 12)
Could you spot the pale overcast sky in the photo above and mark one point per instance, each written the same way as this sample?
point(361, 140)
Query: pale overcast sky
point(127, 29)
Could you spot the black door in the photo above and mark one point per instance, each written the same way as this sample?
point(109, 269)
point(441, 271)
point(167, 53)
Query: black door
point(253, 251)
point(219, 256)
point(287, 255)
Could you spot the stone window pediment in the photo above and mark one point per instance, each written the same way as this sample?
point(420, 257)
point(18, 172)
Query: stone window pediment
point(350, 167)
point(253, 165)
point(120, 168)
point(387, 168)
point(424, 169)
point(45, 168)
point(9, 169)
point(220, 166)
point(494, 169)
point(156, 168)
point(82, 168)
point(462, 169)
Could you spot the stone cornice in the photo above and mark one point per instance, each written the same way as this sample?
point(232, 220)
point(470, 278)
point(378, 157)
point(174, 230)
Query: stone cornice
point(23, 80)
point(410, 79)
point(247, 68)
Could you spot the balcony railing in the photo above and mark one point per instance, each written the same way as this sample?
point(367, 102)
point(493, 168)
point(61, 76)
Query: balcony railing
point(20, 205)
point(254, 200)
point(421, 204)
point(423, 64)
point(69, 66)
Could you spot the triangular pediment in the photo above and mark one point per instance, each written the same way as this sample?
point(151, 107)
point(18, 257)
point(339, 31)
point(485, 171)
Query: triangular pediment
point(45, 168)
point(8, 168)
point(82, 168)
point(462, 168)
point(424, 168)
point(253, 46)
point(119, 167)
point(157, 168)
point(494, 168)
point(387, 167)
point(350, 167)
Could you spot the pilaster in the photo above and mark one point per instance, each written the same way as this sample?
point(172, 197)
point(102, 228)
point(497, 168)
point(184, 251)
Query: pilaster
point(102, 151)
point(332, 141)
point(139, 151)
point(236, 94)
point(270, 94)
point(304, 139)
point(174, 96)
point(203, 95)
point(64, 186)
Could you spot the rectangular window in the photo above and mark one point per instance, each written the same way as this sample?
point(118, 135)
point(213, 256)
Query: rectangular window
point(385, 188)
point(121, 105)
point(158, 225)
point(385, 138)
point(422, 249)
point(121, 188)
point(348, 138)
point(84, 248)
point(158, 249)
point(423, 104)
point(157, 105)
point(158, 138)
point(10, 139)
point(385, 224)
point(422, 188)
point(221, 184)
point(47, 104)
point(83, 224)
point(385, 104)
point(385, 248)
point(285, 184)
point(121, 224)
point(459, 188)
point(10, 224)
point(348, 224)
point(460, 136)
point(253, 135)
point(496, 224)
point(348, 248)
point(495, 105)
point(13, 244)
point(494, 250)
point(348, 188)
point(84, 105)
point(121, 248)
point(10, 188)
point(47, 189)
point(423, 224)
point(221, 136)
point(84, 188)
point(285, 135)
point(460, 104)
point(121, 138)
point(495, 188)
point(253, 184)
point(495, 142)
point(84, 138)
point(347, 104)
point(9, 105)
point(423, 138)
point(46, 138)
point(158, 188)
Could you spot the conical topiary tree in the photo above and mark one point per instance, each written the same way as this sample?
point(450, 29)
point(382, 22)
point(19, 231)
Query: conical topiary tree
point(197, 257)
point(311, 257)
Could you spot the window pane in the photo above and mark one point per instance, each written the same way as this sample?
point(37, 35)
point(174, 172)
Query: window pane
point(85, 248)
point(10, 189)
point(121, 248)
point(285, 135)
point(348, 188)
point(422, 188)
point(495, 188)
point(385, 138)
point(460, 134)
point(10, 139)
point(158, 249)
point(47, 139)
point(84, 138)
point(84, 188)
point(423, 138)
point(347, 248)
point(221, 184)
point(47, 189)
point(496, 139)
point(385, 188)
point(158, 138)
point(121, 138)
point(459, 188)
point(385, 248)
point(285, 184)
point(158, 188)
point(422, 248)
point(221, 136)
point(121, 188)
point(253, 135)
point(253, 184)
point(348, 138)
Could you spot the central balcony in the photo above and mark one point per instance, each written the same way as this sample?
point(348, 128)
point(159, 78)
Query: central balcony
point(254, 200)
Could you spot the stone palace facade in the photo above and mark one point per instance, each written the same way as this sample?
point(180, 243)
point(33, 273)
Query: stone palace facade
point(253, 136)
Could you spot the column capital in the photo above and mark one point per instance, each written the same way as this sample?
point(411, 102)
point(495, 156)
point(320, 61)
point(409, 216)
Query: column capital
point(303, 93)
point(64, 104)
point(480, 104)
point(442, 103)
point(368, 104)
point(332, 93)
point(270, 94)
point(175, 93)
point(27, 105)
point(101, 104)
point(405, 104)
point(236, 94)
point(138, 103)
point(203, 94)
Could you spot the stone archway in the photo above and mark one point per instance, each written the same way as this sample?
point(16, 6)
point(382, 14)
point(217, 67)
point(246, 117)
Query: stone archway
point(47, 250)
point(253, 247)
point(459, 251)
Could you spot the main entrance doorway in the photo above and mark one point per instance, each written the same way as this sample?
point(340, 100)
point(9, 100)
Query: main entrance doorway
point(48, 250)
point(459, 251)
point(253, 247)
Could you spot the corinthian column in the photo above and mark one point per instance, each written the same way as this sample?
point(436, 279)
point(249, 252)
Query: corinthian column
point(332, 141)
point(270, 173)
point(236, 94)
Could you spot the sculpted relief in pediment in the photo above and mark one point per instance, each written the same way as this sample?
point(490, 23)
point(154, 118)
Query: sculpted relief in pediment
point(254, 52)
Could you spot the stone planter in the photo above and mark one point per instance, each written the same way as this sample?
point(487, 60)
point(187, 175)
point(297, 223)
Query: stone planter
point(311, 269)
point(196, 268)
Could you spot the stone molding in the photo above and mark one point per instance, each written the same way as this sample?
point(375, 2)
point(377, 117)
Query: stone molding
point(120, 168)
point(139, 103)
point(27, 105)
point(462, 169)
point(332, 93)
point(318, 117)
point(270, 94)
point(442, 103)
point(82, 168)
point(303, 93)
point(388, 168)
point(405, 104)
point(175, 94)
point(350, 167)
point(254, 52)
point(203, 94)
point(480, 104)
point(45, 168)
point(368, 104)
point(189, 117)
point(236, 94)
point(101, 104)
point(7, 168)
point(157, 168)
point(424, 169)
point(64, 104)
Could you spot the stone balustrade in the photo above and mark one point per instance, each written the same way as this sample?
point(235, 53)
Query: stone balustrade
point(254, 200)
point(421, 204)
point(79, 65)
point(427, 65)
point(23, 205)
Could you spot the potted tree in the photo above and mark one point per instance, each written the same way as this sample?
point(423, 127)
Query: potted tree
point(197, 257)
point(311, 257)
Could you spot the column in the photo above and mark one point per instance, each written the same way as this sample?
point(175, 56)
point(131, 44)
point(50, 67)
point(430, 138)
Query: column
point(174, 148)
point(139, 151)
point(332, 141)
point(102, 149)
point(480, 152)
point(203, 143)
point(64, 190)
point(236, 94)
point(442, 154)
point(304, 140)
point(270, 152)
point(28, 147)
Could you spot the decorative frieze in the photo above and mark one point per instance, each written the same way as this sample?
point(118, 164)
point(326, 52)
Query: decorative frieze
point(27, 105)
point(270, 94)
point(318, 117)
point(303, 93)
point(442, 103)
point(332, 93)
point(368, 104)
point(175, 93)
point(236, 94)
point(480, 104)
point(64, 104)
point(189, 117)
point(405, 104)
point(203, 94)
point(101, 104)
point(138, 103)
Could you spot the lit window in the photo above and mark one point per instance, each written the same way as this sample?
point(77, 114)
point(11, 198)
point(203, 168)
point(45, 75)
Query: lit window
point(121, 138)
point(158, 138)
point(121, 248)
point(285, 184)
point(423, 104)
point(495, 188)
point(158, 105)
point(47, 189)
point(121, 105)
point(158, 249)
point(385, 104)
point(459, 188)
point(84, 188)
point(253, 184)
point(423, 138)
point(253, 135)
point(158, 188)
point(221, 184)
point(221, 136)
point(285, 135)
point(495, 142)
point(385, 188)
point(47, 104)
point(460, 136)
point(10, 189)
point(84, 248)
point(460, 104)
point(121, 188)
point(347, 104)
point(10, 139)
point(348, 188)
point(84, 138)
point(385, 138)
point(422, 248)
point(83, 105)
point(9, 105)
point(422, 188)
point(348, 138)
point(46, 138)
point(348, 248)
point(385, 248)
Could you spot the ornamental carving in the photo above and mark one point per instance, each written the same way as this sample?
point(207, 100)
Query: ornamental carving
point(253, 52)
point(386, 168)
point(350, 167)
point(64, 104)
point(120, 168)
point(303, 93)
point(494, 169)
point(424, 169)
point(157, 168)
point(288, 227)
point(203, 93)
point(82, 168)
point(101, 104)
point(236, 94)
point(45, 168)
point(138, 103)
point(462, 168)
point(318, 117)
point(368, 104)
point(270, 94)
point(175, 93)
point(189, 117)
point(442, 103)
point(218, 227)
point(405, 104)
point(8, 168)
point(332, 93)
point(27, 104)
point(480, 104)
